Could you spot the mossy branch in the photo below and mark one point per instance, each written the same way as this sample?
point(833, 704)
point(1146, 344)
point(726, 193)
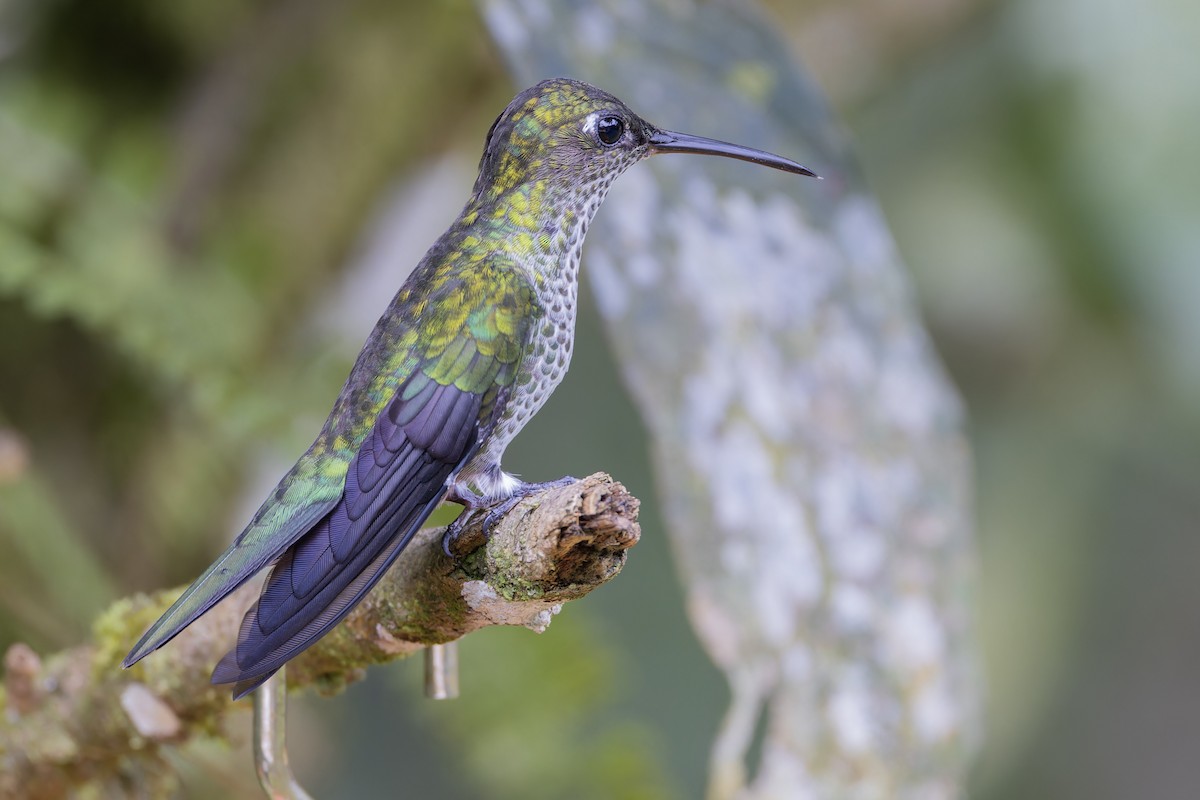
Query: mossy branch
point(77, 718)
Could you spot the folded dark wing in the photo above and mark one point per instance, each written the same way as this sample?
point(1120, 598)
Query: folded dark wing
point(396, 480)
point(458, 366)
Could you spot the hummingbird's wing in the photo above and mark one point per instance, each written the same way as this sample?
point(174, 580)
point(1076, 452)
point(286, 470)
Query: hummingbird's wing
point(467, 355)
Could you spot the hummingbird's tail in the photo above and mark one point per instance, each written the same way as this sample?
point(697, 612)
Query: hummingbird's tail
point(397, 479)
point(282, 623)
point(262, 542)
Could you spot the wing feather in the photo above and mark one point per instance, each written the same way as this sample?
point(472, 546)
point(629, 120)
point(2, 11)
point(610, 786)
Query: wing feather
point(320, 579)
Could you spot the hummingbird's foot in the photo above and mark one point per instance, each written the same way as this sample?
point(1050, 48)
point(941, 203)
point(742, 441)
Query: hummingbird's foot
point(495, 511)
point(456, 529)
point(472, 505)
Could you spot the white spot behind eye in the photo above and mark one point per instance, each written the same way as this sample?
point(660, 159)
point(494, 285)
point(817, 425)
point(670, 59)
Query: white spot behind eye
point(589, 123)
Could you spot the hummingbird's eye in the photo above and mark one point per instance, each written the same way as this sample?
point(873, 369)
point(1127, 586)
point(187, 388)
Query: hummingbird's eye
point(609, 130)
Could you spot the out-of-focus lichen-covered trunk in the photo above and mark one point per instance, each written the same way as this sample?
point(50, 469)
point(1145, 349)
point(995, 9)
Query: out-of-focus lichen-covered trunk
point(813, 468)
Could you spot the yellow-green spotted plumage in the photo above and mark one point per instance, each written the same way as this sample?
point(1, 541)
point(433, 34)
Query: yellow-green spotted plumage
point(470, 348)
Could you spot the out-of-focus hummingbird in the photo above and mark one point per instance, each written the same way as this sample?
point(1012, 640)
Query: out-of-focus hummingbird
point(470, 348)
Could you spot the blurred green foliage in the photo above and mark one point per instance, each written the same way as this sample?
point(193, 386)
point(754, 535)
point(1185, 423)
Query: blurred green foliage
point(183, 184)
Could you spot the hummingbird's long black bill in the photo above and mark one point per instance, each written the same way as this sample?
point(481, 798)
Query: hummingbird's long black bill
point(671, 142)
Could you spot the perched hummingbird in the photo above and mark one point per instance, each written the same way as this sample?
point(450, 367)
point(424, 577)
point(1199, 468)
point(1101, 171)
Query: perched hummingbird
point(470, 348)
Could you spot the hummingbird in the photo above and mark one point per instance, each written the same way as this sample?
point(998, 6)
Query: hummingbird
point(470, 348)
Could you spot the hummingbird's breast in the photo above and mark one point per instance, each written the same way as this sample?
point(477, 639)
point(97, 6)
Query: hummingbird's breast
point(553, 269)
point(547, 357)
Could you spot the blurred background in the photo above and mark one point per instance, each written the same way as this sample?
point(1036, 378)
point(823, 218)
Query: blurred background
point(205, 205)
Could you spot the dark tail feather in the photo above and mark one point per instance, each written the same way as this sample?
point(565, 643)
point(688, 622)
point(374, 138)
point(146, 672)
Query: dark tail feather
point(243, 688)
point(396, 480)
point(238, 564)
point(258, 655)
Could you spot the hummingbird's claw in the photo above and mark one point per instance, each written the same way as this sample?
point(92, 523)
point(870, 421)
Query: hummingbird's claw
point(456, 529)
point(495, 511)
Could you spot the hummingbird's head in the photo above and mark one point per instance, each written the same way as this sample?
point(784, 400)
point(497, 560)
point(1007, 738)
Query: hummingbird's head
point(572, 134)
